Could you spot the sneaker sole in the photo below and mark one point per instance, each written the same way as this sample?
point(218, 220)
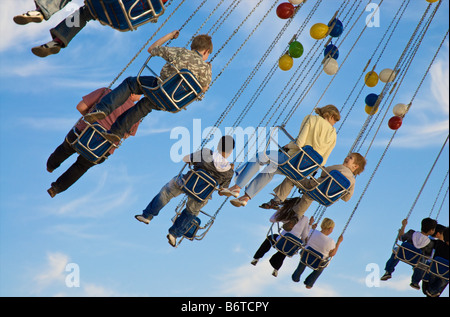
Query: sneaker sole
point(44, 52)
point(94, 117)
point(238, 203)
point(22, 20)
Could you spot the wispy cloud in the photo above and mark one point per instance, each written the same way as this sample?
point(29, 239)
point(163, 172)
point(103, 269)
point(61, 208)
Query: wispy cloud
point(50, 280)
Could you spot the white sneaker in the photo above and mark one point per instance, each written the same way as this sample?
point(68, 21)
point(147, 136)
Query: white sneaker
point(238, 203)
point(226, 192)
point(142, 219)
point(30, 16)
point(49, 48)
point(172, 240)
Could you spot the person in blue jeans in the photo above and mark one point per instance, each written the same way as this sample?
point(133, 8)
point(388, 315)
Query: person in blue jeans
point(215, 164)
point(436, 284)
point(194, 60)
point(64, 32)
point(323, 244)
point(420, 240)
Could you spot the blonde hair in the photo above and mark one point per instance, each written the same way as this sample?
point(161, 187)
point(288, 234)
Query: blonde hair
point(327, 223)
point(329, 111)
point(360, 161)
point(202, 42)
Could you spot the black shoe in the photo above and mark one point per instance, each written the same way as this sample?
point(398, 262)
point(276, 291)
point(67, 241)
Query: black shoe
point(272, 204)
point(52, 191)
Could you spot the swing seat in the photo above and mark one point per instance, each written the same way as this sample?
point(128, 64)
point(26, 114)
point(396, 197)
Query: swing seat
point(330, 189)
point(302, 164)
point(91, 144)
point(288, 244)
point(199, 185)
point(439, 267)
point(175, 93)
point(312, 258)
point(125, 15)
point(408, 253)
point(191, 233)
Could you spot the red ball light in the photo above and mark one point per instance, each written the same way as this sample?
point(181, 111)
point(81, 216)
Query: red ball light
point(285, 10)
point(395, 122)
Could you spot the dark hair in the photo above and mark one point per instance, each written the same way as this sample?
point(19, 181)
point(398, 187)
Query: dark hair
point(445, 235)
point(439, 229)
point(226, 144)
point(428, 224)
point(286, 213)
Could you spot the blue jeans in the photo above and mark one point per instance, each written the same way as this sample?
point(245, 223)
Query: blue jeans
point(50, 7)
point(120, 95)
point(249, 169)
point(68, 28)
point(171, 190)
point(311, 279)
point(436, 285)
point(391, 264)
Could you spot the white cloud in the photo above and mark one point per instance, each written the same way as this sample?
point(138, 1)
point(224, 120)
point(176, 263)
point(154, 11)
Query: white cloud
point(53, 272)
point(51, 279)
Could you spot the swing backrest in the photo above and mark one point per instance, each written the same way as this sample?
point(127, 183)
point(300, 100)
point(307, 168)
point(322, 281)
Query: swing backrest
point(193, 228)
point(125, 15)
point(408, 253)
point(199, 185)
point(91, 144)
point(439, 267)
point(330, 189)
point(302, 164)
point(288, 244)
point(311, 258)
point(176, 92)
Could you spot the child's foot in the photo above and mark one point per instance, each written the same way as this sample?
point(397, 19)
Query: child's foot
point(386, 276)
point(272, 204)
point(52, 47)
point(239, 202)
point(172, 240)
point(30, 16)
point(52, 191)
point(230, 192)
point(111, 137)
point(254, 261)
point(94, 116)
point(142, 219)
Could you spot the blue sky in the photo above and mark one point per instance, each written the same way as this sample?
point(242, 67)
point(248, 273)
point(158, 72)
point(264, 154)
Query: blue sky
point(92, 223)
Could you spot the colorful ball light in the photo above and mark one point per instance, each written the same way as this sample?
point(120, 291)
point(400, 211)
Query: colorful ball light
point(395, 122)
point(387, 75)
point(295, 49)
point(319, 31)
point(285, 62)
point(285, 10)
point(371, 79)
point(295, 2)
point(371, 110)
point(371, 99)
point(331, 51)
point(400, 110)
point(330, 66)
point(337, 29)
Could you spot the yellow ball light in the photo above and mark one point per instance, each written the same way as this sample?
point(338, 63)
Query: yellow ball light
point(319, 31)
point(371, 110)
point(285, 62)
point(371, 79)
point(432, 1)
